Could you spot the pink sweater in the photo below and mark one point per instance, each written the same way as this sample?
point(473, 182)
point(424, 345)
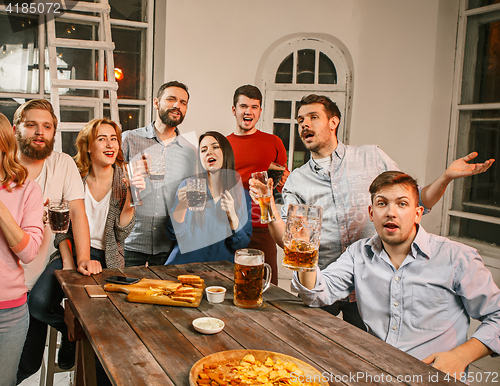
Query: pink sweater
point(25, 206)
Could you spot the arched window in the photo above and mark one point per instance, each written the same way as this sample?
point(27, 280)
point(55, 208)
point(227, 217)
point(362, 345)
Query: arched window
point(300, 66)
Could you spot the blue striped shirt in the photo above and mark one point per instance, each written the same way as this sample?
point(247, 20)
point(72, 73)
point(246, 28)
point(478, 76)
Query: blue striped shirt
point(149, 234)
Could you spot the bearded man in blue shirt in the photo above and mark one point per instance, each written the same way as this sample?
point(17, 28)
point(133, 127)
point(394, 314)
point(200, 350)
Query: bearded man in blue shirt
point(415, 290)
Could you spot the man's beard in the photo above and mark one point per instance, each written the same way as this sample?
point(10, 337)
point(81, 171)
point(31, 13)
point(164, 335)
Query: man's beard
point(165, 118)
point(31, 151)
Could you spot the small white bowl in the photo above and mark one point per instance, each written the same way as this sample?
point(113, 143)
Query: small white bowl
point(208, 325)
point(215, 294)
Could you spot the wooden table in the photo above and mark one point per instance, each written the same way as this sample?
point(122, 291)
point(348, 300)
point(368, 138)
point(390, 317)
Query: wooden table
point(144, 344)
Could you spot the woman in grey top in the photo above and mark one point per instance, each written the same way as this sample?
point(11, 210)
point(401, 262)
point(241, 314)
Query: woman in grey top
point(107, 198)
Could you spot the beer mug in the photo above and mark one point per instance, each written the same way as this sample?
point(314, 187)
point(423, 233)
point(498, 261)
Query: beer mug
point(58, 213)
point(249, 270)
point(196, 192)
point(301, 238)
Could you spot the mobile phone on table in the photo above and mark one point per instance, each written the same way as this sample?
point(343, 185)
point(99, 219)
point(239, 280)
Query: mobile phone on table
point(122, 279)
point(95, 291)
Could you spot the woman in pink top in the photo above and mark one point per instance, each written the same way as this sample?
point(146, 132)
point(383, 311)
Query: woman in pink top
point(21, 214)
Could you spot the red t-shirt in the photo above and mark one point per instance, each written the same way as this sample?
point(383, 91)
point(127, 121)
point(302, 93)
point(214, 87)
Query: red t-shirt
point(254, 153)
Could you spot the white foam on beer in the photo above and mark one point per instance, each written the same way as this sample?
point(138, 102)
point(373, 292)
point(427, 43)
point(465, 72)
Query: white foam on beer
point(248, 260)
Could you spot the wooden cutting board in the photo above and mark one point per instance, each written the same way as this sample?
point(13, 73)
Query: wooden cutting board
point(140, 292)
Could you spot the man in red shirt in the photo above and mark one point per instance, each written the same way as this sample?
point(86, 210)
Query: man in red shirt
point(254, 151)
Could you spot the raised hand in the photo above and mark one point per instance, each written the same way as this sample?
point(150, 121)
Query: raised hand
point(461, 167)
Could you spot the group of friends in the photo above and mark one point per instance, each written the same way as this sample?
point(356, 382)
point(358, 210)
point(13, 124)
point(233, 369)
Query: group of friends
point(377, 264)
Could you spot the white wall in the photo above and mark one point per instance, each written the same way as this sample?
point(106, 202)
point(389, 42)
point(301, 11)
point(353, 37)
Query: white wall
point(402, 53)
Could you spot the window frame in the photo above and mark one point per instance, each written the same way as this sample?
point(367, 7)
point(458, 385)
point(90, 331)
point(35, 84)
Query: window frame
point(341, 92)
point(491, 252)
point(144, 104)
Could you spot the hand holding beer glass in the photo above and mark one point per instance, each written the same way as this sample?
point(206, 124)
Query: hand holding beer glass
point(301, 237)
point(264, 197)
point(249, 270)
point(133, 171)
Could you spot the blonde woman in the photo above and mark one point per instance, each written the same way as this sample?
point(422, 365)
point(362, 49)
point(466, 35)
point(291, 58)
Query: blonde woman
point(107, 199)
point(21, 214)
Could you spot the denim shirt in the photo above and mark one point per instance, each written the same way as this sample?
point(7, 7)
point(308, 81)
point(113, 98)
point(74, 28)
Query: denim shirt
point(343, 195)
point(148, 235)
point(424, 306)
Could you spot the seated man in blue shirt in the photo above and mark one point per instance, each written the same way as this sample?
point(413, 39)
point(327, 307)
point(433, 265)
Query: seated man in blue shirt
point(415, 290)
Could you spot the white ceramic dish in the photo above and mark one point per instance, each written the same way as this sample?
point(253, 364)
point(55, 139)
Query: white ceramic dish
point(208, 325)
point(215, 294)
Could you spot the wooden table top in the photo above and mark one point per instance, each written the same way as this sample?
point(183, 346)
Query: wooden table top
point(145, 344)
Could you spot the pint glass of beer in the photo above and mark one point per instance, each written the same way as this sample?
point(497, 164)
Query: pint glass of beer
point(59, 215)
point(252, 278)
point(266, 212)
point(301, 238)
point(196, 192)
point(130, 170)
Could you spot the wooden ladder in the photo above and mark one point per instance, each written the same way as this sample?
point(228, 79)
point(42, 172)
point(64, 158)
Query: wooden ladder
point(105, 47)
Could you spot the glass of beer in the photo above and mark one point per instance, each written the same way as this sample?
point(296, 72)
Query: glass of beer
point(59, 215)
point(250, 282)
point(275, 171)
point(196, 193)
point(302, 236)
point(266, 212)
point(155, 167)
point(130, 169)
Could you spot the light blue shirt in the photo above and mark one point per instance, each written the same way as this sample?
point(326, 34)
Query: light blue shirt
point(343, 195)
point(148, 235)
point(424, 306)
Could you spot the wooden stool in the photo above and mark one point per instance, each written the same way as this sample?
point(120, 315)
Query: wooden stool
point(48, 371)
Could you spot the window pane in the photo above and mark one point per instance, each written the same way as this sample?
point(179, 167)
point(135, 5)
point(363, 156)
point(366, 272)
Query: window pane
point(128, 58)
point(327, 72)
point(282, 130)
point(300, 154)
point(475, 230)
point(285, 70)
point(8, 107)
point(305, 66)
point(18, 54)
point(129, 117)
point(481, 3)
point(283, 109)
point(72, 114)
point(68, 142)
point(479, 131)
point(73, 63)
point(133, 10)
point(482, 63)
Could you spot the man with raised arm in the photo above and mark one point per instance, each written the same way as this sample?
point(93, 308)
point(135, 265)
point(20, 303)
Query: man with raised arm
point(337, 178)
point(415, 290)
point(35, 126)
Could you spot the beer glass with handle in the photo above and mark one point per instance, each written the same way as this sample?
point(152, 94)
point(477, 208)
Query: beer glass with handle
point(196, 193)
point(58, 213)
point(249, 272)
point(301, 237)
point(264, 199)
